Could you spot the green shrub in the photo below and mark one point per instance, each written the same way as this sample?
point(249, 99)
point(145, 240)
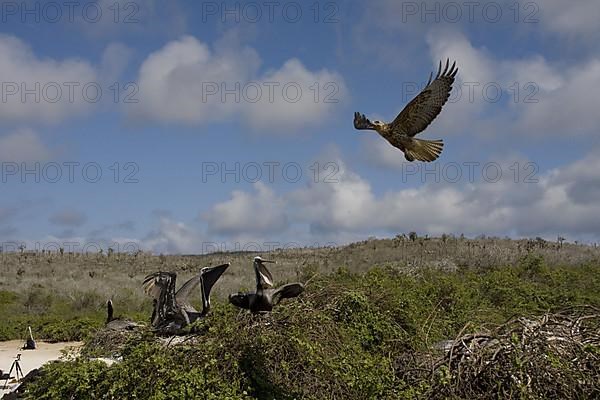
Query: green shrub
point(348, 336)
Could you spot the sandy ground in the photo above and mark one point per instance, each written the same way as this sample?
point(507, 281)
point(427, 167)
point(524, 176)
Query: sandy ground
point(30, 359)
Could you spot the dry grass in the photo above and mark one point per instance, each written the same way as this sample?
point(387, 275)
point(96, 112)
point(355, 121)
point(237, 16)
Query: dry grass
point(73, 286)
point(119, 276)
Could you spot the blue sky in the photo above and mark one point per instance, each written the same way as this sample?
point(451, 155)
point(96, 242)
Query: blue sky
point(162, 131)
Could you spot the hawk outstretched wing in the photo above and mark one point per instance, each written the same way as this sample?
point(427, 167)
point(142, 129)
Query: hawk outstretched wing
point(422, 110)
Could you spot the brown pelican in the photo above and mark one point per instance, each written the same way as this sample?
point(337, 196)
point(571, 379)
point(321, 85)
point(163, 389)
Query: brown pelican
point(265, 297)
point(415, 117)
point(117, 323)
point(29, 343)
point(172, 310)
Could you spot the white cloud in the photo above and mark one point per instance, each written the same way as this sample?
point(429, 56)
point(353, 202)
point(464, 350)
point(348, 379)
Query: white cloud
point(561, 202)
point(172, 80)
point(187, 82)
point(115, 59)
point(570, 106)
point(172, 237)
point(46, 90)
point(341, 205)
point(575, 19)
point(561, 100)
point(378, 151)
point(538, 97)
point(248, 214)
point(24, 145)
point(49, 80)
point(475, 65)
point(481, 66)
point(564, 201)
point(308, 98)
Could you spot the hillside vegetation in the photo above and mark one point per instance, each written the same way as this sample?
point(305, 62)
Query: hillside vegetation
point(372, 324)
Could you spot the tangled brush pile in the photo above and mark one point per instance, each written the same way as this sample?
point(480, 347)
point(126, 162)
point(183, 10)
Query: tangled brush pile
point(524, 358)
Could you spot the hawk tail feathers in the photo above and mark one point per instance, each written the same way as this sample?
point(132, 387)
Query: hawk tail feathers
point(423, 150)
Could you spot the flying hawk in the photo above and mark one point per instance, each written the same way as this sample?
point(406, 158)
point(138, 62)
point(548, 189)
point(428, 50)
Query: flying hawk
point(415, 117)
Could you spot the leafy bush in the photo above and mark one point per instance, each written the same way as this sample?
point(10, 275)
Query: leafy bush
point(348, 336)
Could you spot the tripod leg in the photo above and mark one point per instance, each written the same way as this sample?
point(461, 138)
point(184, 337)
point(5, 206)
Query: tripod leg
point(11, 368)
point(19, 371)
point(8, 376)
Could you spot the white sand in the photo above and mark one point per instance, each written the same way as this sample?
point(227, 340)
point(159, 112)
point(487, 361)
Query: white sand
point(30, 359)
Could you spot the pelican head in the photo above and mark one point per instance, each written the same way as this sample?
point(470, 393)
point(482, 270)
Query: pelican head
point(261, 260)
point(264, 279)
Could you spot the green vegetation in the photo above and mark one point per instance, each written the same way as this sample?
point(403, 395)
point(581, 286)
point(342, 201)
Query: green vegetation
point(52, 316)
point(352, 335)
point(63, 296)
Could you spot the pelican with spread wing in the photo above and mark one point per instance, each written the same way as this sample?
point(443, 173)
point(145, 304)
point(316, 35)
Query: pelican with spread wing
point(265, 297)
point(415, 117)
point(172, 309)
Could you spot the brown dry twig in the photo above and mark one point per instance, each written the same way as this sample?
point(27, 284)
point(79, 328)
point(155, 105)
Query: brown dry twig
point(537, 357)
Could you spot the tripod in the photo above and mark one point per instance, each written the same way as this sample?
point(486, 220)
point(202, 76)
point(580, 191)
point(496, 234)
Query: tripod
point(18, 371)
